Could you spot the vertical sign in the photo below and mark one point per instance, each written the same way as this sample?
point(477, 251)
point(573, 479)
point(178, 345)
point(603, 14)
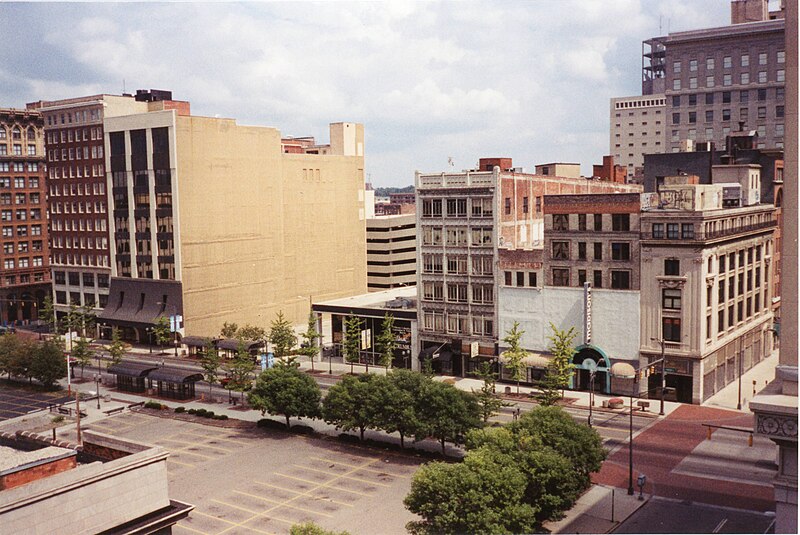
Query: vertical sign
point(587, 313)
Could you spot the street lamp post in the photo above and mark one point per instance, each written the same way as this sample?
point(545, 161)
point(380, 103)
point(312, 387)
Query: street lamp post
point(591, 395)
point(97, 387)
point(741, 368)
point(663, 377)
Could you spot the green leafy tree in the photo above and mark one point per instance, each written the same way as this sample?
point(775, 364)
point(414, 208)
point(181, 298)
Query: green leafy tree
point(395, 411)
point(15, 358)
point(310, 528)
point(229, 330)
point(560, 368)
point(48, 364)
point(240, 370)
point(87, 318)
point(354, 403)
point(484, 494)
point(446, 413)
point(386, 342)
point(489, 402)
point(117, 348)
point(282, 336)
point(161, 331)
point(351, 345)
point(83, 353)
point(253, 333)
point(309, 347)
point(210, 361)
point(515, 355)
point(285, 390)
point(47, 313)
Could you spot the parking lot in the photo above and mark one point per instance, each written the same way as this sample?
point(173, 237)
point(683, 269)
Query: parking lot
point(258, 481)
point(19, 401)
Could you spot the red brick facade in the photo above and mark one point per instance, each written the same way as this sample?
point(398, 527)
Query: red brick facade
point(47, 469)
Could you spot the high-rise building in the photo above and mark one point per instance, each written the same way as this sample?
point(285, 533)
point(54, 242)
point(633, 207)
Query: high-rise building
point(638, 127)
point(391, 251)
point(218, 222)
point(24, 272)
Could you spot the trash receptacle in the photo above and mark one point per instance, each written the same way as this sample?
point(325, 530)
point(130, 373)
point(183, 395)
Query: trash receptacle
point(508, 390)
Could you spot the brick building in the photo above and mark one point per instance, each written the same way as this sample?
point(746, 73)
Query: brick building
point(24, 272)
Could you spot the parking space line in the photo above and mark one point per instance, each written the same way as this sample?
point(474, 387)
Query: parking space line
point(233, 524)
point(303, 493)
point(360, 480)
point(207, 445)
point(282, 504)
point(183, 451)
point(179, 462)
point(246, 510)
point(192, 529)
point(177, 441)
point(363, 469)
point(320, 485)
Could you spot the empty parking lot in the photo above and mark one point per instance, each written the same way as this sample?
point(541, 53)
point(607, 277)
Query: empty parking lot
point(256, 481)
point(19, 401)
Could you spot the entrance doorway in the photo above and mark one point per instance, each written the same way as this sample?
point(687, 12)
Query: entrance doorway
point(591, 360)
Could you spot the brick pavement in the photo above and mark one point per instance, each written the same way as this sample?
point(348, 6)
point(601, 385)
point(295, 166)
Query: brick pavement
point(658, 450)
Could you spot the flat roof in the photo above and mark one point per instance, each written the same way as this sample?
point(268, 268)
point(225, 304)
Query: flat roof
point(373, 302)
point(13, 460)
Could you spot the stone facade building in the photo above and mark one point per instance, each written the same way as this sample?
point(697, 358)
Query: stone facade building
point(638, 127)
point(391, 251)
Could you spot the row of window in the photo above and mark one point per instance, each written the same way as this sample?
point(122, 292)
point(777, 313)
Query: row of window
point(457, 323)
point(562, 250)
point(75, 297)
point(60, 277)
point(78, 207)
point(19, 167)
point(457, 264)
point(737, 259)
point(727, 79)
point(20, 198)
point(22, 263)
point(69, 135)
point(16, 133)
point(620, 279)
point(78, 171)
point(72, 189)
point(23, 246)
point(70, 259)
point(639, 103)
point(619, 222)
point(79, 242)
point(744, 115)
point(21, 230)
point(458, 292)
point(100, 225)
point(777, 131)
point(21, 215)
point(79, 153)
point(525, 205)
point(674, 231)
point(16, 149)
point(736, 313)
point(727, 62)
point(19, 182)
point(80, 116)
point(736, 285)
point(521, 278)
point(727, 96)
point(475, 206)
point(24, 278)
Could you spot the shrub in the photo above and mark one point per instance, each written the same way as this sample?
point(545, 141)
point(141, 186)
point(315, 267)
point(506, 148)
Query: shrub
point(302, 429)
point(220, 416)
point(192, 411)
point(209, 414)
point(201, 412)
point(152, 405)
point(57, 419)
point(180, 409)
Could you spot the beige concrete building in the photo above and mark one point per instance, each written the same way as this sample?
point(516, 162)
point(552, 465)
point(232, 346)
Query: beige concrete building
point(637, 128)
point(246, 228)
point(391, 251)
point(705, 288)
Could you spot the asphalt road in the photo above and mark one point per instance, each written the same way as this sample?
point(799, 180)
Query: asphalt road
point(661, 515)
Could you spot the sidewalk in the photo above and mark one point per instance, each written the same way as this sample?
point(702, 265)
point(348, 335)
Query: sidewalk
point(762, 373)
point(599, 510)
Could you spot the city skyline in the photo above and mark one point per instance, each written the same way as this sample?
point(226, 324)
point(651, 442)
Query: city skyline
point(429, 81)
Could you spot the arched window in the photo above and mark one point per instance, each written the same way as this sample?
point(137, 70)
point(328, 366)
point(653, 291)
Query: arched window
point(16, 133)
point(2, 132)
point(779, 198)
point(31, 133)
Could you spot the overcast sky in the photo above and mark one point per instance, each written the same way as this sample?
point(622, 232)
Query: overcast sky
point(528, 80)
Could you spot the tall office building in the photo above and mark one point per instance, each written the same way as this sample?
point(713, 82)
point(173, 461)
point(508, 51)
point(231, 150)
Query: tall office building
point(218, 222)
point(638, 127)
point(391, 251)
point(24, 275)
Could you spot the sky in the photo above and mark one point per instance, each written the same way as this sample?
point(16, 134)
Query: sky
point(430, 81)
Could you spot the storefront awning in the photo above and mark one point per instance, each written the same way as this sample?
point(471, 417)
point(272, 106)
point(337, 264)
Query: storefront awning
point(140, 302)
point(131, 369)
point(174, 375)
point(533, 360)
point(623, 370)
point(233, 345)
point(196, 341)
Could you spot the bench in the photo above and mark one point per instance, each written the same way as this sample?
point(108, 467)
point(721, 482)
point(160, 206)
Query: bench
point(643, 405)
point(139, 404)
point(115, 410)
point(62, 410)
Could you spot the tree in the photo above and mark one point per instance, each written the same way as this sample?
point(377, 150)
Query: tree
point(252, 333)
point(354, 403)
point(48, 363)
point(15, 359)
point(47, 313)
point(310, 336)
point(285, 390)
point(351, 345)
point(240, 370)
point(514, 355)
point(484, 494)
point(87, 318)
point(210, 362)
point(117, 348)
point(395, 411)
point(310, 528)
point(161, 330)
point(281, 336)
point(83, 353)
point(559, 370)
point(488, 401)
point(229, 330)
point(446, 413)
point(387, 342)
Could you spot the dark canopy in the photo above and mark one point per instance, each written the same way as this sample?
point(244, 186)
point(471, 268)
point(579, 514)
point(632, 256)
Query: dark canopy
point(131, 369)
point(174, 375)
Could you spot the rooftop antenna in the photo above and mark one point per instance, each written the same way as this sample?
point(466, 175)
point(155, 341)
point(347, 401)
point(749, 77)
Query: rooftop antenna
point(450, 161)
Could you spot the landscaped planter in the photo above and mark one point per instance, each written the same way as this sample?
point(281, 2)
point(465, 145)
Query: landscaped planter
point(616, 403)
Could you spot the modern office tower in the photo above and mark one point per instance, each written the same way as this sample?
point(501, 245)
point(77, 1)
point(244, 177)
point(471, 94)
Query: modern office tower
point(463, 221)
point(218, 222)
point(24, 272)
point(391, 251)
point(76, 182)
point(638, 127)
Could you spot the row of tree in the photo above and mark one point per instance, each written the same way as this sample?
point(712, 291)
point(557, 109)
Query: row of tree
point(409, 403)
point(30, 359)
point(512, 479)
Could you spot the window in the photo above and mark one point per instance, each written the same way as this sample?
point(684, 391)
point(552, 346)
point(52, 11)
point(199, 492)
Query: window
point(762, 77)
point(676, 118)
point(598, 278)
point(762, 112)
point(762, 58)
point(692, 65)
point(744, 78)
point(726, 80)
point(671, 299)
point(456, 324)
point(581, 250)
point(457, 207)
point(671, 329)
point(457, 292)
point(482, 207)
point(692, 117)
point(780, 75)
point(621, 222)
point(658, 230)
point(431, 263)
point(709, 98)
point(620, 280)
point(507, 205)
point(709, 116)
point(693, 85)
point(672, 231)
point(581, 221)
point(457, 265)
point(779, 130)
point(709, 64)
point(745, 60)
point(430, 235)
point(532, 279)
point(598, 251)
point(781, 56)
point(560, 250)
point(507, 276)
point(456, 236)
point(538, 205)
point(726, 115)
point(676, 101)
point(779, 114)
point(727, 63)
point(620, 251)
point(524, 205)
point(761, 95)
point(687, 231)
point(482, 326)
point(481, 237)
point(676, 84)
point(560, 222)
point(432, 208)
point(676, 67)
point(672, 267)
point(598, 222)
point(560, 277)
point(520, 279)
